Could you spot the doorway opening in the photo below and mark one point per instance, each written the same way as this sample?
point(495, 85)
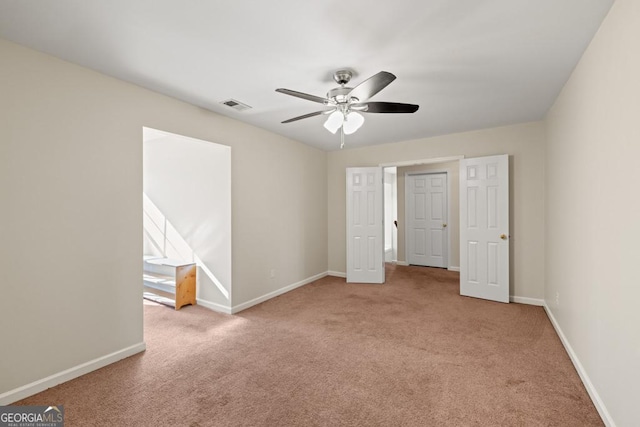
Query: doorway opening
point(186, 220)
point(399, 201)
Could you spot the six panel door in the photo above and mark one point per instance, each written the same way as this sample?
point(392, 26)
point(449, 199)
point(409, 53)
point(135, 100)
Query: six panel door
point(426, 229)
point(365, 245)
point(484, 228)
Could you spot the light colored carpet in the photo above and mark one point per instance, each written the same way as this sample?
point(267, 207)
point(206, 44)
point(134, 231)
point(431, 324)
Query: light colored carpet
point(411, 352)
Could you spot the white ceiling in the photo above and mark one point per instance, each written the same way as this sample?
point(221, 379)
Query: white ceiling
point(469, 64)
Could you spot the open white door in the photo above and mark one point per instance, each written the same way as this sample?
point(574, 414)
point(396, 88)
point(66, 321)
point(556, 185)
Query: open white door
point(365, 243)
point(484, 228)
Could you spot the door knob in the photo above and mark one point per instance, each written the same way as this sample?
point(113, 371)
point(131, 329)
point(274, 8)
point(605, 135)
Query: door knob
point(444, 225)
point(503, 236)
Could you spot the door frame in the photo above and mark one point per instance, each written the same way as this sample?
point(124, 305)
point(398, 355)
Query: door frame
point(394, 245)
point(406, 210)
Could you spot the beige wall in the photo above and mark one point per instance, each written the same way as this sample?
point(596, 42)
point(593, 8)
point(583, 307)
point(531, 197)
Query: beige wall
point(593, 212)
point(71, 217)
point(525, 145)
point(453, 169)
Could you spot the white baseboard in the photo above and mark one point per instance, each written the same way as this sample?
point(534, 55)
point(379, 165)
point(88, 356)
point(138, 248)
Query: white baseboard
point(337, 274)
point(404, 263)
point(526, 300)
point(453, 268)
point(20, 393)
point(214, 306)
point(595, 397)
point(265, 297)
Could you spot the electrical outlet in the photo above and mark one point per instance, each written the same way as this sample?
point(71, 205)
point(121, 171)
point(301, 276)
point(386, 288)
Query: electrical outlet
point(272, 274)
point(557, 298)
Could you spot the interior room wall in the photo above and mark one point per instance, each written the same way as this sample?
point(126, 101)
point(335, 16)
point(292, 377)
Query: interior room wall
point(593, 212)
point(188, 183)
point(523, 143)
point(453, 168)
point(71, 223)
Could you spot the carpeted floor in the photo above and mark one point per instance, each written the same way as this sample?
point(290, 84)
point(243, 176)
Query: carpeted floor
point(411, 352)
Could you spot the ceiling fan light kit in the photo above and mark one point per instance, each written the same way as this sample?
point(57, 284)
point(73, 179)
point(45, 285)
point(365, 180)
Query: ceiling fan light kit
point(345, 102)
point(334, 121)
point(352, 122)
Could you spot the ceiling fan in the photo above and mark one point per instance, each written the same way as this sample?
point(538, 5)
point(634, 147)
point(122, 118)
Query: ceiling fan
point(347, 103)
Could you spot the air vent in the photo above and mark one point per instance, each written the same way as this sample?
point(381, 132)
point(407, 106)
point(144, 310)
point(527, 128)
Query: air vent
point(236, 105)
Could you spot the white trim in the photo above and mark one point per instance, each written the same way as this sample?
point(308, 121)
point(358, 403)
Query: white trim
point(526, 300)
point(265, 297)
point(20, 393)
point(337, 274)
point(402, 263)
point(453, 268)
point(595, 397)
point(214, 306)
point(421, 161)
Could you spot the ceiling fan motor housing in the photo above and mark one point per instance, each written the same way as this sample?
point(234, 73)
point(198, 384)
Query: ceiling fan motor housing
point(340, 94)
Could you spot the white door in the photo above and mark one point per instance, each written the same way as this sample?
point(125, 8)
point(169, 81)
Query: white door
point(484, 228)
point(365, 242)
point(426, 216)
